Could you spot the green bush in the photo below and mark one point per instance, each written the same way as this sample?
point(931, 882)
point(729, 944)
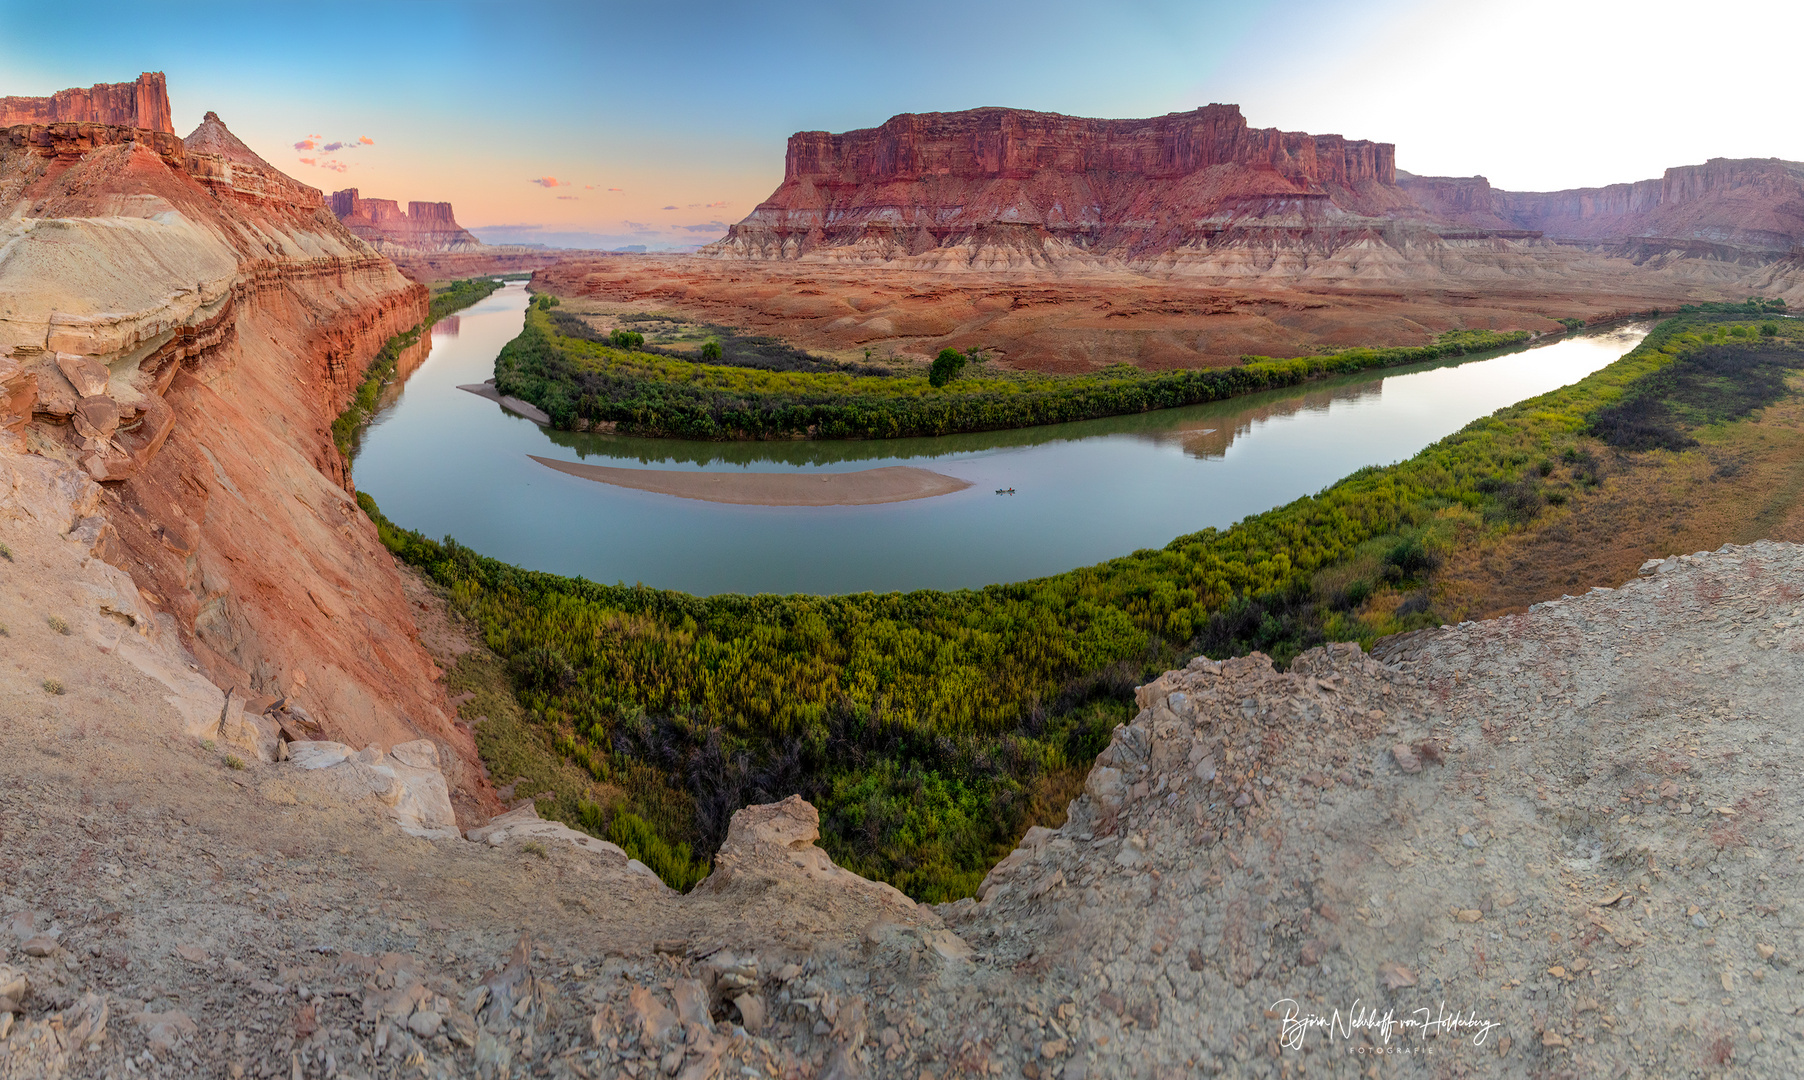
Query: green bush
point(946, 367)
point(649, 393)
point(930, 728)
point(672, 863)
point(710, 352)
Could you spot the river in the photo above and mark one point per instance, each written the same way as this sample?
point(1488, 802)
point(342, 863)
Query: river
point(449, 463)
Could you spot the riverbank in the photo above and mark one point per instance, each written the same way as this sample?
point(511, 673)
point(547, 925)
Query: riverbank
point(582, 383)
point(867, 487)
point(933, 727)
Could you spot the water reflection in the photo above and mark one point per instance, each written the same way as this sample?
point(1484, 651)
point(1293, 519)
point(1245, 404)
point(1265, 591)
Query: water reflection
point(447, 462)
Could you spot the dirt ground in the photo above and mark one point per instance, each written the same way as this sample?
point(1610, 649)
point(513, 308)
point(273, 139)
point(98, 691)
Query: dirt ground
point(1744, 482)
point(1564, 834)
point(1075, 323)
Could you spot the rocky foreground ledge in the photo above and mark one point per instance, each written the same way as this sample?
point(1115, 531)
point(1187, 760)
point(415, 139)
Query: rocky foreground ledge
point(1561, 843)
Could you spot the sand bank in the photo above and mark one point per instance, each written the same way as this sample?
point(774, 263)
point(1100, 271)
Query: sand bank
point(895, 483)
point(511, 404)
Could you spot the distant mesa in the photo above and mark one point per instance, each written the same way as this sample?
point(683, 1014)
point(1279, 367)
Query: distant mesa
point(142, 104)
point(996, 188)
point(422, 227)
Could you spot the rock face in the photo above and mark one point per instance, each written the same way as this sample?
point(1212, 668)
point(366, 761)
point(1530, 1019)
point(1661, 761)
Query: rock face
point(423, 226)
point(182, 324)
point(1045, 184)
point(1202, 193)
point(1754, 205)
point(220, 161)
point(142, 104)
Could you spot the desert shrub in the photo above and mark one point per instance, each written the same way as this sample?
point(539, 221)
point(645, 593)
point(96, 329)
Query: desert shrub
point(673, 863)
point(926, 726)
point(946, 367)
point(760, 388)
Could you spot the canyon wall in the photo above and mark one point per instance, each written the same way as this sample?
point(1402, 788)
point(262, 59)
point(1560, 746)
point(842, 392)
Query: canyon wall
point(182, 323)
point(1205, 195)
point(1754, 205)
point(1031, 187)
point(422, 227)
point(142, 104)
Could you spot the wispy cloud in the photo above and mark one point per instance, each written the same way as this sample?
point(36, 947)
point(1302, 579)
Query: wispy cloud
point(567, 198)
point(366, 140)
point(306, 144)
point(333, 147)
point(712, 226)
point(549, 182)
point(616, 189)
point(309, 161)
point(670, 208)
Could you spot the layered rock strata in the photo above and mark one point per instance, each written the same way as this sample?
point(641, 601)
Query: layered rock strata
point(1750, 206)
point(422, 227)
point(183, 323)
point(1203, 194)
point(1045, 186)
point(141, 104)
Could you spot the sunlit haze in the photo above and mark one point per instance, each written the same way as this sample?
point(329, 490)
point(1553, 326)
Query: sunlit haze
point(659, 124)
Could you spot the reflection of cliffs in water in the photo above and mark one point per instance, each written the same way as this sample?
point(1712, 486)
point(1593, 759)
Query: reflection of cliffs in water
point(1204, 431)
point(1212, 439)
point(447, 326)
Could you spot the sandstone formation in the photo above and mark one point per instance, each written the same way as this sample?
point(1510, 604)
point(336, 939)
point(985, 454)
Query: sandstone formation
point(1018, 187)
point(1203, 196)
point(142, 104)
point(1746, 207)
point(181, 322)
point(422, 227)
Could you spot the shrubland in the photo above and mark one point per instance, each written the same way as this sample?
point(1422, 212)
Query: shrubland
point(581, 381)
point(930, 728)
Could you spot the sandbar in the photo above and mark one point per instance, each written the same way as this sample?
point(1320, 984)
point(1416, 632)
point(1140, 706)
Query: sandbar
point(511, 404)
point(893, 483)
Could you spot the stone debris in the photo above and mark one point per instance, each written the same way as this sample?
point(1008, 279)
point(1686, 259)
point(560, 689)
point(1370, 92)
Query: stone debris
point(1594, 851)
point(406, 779)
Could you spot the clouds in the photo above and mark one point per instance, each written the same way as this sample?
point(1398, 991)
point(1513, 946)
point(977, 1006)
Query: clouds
point(710, 227)
point(313, 143)
point(616, 189)
point(670, 208)
point(567, 198)
point(549, 182)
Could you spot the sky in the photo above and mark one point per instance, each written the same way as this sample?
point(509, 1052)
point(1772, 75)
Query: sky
point(658, 124)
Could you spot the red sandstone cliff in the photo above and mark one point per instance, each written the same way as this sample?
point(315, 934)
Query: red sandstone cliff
point(182, 323)
point(1045, 183)
point(142, 104)
point(1755, 205)
point(1203, 193)
point(423, 227)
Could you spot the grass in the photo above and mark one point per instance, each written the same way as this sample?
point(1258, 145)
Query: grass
point(233, 761)
point(581, 382)
point(931, 728)
point(57, 624)
point(53, 686)
point(6, 553)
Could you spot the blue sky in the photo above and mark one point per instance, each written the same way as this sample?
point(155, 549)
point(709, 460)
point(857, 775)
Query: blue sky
point(684, 107)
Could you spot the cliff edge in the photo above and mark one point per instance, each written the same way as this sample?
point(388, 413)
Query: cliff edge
point(180, 324)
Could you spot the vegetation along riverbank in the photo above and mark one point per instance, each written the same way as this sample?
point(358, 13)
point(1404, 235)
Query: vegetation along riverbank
point(583, 382)
point(931, 728)
point(455, 296)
